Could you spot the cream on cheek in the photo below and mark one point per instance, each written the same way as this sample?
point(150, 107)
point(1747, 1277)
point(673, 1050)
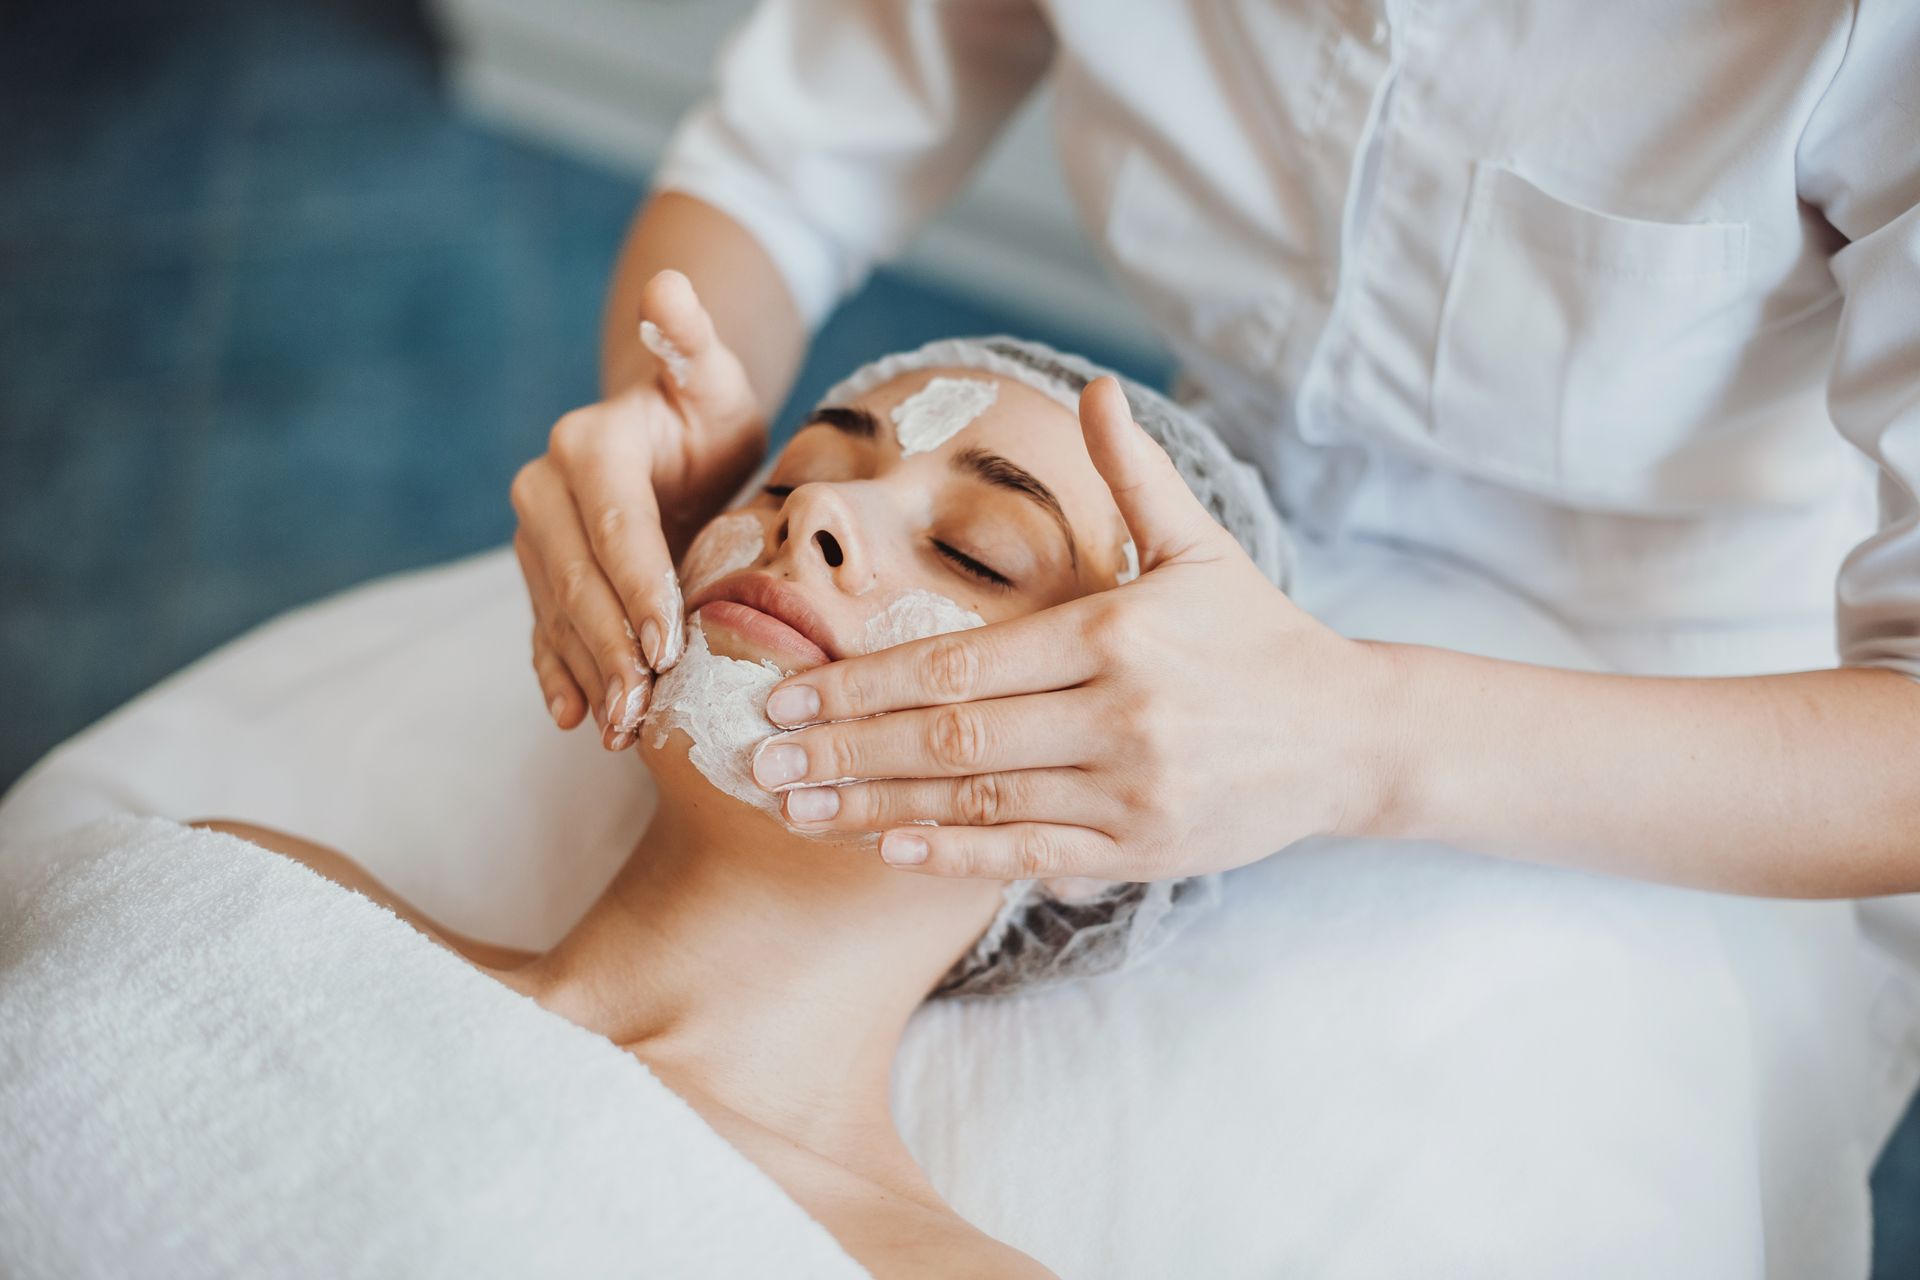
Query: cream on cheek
point(914, 615)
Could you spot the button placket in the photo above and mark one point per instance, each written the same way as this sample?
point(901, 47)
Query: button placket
point(1362, 73)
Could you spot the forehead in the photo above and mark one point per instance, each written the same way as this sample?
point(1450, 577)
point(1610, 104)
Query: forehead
point(1020, 423)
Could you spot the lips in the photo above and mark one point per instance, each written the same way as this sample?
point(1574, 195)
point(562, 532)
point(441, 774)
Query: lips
point(771, 613)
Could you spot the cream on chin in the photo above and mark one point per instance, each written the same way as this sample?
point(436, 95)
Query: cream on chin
point(720, 702)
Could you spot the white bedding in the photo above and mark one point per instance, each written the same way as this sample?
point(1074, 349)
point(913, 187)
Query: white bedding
point(219, 1064)
point(1376, 1060)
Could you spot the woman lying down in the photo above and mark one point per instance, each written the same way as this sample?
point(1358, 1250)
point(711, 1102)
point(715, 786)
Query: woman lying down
point(766, 974)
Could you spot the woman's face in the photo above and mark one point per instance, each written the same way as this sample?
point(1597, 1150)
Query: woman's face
point(1005, 516)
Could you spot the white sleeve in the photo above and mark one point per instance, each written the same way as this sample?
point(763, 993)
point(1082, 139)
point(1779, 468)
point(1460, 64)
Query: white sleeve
point(838, 127)
point(1859, 164)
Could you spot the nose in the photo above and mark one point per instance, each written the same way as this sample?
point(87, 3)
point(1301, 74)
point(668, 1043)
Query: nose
point(821, 536)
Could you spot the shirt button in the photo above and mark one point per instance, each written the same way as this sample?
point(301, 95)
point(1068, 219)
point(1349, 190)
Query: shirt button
point(1378, 36)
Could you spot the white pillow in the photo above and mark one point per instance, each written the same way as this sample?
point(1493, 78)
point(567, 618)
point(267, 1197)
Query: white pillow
point(1374, 1060)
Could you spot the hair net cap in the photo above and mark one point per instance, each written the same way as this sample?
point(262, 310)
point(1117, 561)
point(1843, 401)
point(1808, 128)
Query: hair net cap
point(1054, 930)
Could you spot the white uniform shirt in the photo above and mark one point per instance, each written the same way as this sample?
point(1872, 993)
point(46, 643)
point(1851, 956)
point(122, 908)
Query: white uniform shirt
point(1607, 300)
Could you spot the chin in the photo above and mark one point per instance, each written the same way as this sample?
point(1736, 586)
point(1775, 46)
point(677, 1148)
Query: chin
point(678, 780)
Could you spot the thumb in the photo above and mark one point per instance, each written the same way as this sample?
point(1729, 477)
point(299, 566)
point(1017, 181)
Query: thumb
point(1167, 522)
point(702, 371)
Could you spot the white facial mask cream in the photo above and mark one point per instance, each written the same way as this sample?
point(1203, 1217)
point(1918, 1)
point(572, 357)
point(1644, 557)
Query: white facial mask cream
point(1131, 569)
point(728, 543)
point(938, 411)
point(915, 615)
point(719, 703)
point(675, 360)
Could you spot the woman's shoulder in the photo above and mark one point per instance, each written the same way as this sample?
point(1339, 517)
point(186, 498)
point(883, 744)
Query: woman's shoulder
point(889, 1220)
point(896, 1238)
point(947, 1248)
point(333, 865)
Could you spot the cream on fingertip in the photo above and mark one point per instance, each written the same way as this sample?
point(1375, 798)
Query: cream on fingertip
point(671, 357)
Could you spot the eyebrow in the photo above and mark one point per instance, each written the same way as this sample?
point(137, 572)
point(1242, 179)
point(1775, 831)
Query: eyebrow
point(855, 422)
point(1003, 473)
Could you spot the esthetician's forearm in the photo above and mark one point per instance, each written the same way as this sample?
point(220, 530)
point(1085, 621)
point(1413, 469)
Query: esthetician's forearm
point(738, 283)
point(1804, 785)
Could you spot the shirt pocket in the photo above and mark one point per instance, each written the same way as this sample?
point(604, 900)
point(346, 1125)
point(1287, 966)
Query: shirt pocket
point(1580, 348)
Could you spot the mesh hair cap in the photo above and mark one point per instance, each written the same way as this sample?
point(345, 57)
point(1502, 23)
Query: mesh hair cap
point(1054, 930)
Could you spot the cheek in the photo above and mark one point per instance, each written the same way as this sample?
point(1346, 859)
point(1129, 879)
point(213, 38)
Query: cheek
point(728, 544)
point(915, 614)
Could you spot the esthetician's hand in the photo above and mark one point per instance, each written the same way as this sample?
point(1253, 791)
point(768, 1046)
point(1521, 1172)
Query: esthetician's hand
point(1192, 720)
point(622, 486)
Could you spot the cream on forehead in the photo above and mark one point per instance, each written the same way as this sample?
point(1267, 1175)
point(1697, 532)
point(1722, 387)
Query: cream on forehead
point(728, 543)
point(718, 702)
point(915, 615)
point(938, 411)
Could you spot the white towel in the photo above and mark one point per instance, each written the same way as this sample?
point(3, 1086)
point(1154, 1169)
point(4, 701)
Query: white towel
point(215, 1063)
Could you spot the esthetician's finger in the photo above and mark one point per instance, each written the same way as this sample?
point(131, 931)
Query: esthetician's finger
point(563, 642)
point(607, 460)
point(1031, 732)
point(1053, 649)
point(580, 595)
point(573, 652)
point(1167, 522)
point(565, 703)
point(702, 372)
point(1015, 851)
point(982, 800)
point(562, 693)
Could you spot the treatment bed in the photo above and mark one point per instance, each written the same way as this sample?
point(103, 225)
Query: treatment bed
point(1373, 1060)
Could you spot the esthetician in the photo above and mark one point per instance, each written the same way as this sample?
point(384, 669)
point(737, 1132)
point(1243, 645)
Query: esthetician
point(1618, 305)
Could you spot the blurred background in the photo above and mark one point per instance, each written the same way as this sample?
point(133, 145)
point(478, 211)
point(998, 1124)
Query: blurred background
point(290, 288)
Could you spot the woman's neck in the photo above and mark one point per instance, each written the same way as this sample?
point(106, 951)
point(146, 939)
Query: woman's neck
point(771, 973)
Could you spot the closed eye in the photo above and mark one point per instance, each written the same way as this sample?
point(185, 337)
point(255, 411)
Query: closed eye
point(973, 568)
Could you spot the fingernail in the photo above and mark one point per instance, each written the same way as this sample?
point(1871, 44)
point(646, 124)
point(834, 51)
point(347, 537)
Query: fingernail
point(813, 804)
point(621, 741)
point(795, 704)
point(673, 618)
point(634, 705)
point(780, 764)
point(903, 850)
point(615, 693)
point(650, 643)
point(556, 706)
